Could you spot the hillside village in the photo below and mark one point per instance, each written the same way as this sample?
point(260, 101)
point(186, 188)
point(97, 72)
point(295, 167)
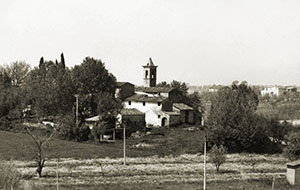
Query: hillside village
point(86, 105)
point(150, 105)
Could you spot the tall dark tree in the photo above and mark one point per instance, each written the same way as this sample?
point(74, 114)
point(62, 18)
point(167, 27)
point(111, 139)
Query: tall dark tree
point(91, 78)
point(62, 60)
point(182, 86)
point(232, 121)
point(50, 89)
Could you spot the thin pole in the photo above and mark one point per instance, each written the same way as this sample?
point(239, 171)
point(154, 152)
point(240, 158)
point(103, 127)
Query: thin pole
point(76, 110)
point(204, 169)
point(273, 182)
point(57, 184)
point(124, 144)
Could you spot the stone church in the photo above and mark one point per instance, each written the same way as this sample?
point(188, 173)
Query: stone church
point(158, 104)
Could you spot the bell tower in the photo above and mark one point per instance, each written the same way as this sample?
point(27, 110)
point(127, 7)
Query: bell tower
point(150, 74)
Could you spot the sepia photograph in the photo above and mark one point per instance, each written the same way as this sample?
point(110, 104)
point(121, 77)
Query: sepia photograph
point(150, 94)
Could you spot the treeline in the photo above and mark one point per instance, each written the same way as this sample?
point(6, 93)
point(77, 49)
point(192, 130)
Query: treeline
point(284, 107)
point(48, 92)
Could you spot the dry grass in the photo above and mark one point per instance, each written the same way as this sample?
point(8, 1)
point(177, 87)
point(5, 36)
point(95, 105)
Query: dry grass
point(154, 170)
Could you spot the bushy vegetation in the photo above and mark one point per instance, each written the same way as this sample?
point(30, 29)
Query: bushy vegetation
point(217, 156)
point(292, 150)
point(9, 176)
point(234, 122)
point(283, 107)
point(49, 91)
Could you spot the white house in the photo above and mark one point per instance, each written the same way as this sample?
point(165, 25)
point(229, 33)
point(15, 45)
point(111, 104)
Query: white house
point(272, 91)
point(158, 109)
point(155, 102)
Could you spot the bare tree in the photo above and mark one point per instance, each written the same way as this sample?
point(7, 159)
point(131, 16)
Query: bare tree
point(17, 71)
point(40, 144)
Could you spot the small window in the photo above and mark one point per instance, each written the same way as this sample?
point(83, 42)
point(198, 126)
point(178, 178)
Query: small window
point(129, 102)
point(159, 93)
point(158, 116)
point(146, 74)
point(158, 103)
point(144, 103)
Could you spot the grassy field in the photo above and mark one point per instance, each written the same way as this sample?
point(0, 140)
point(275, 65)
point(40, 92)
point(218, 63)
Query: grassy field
point(169, 172)
point(19, 146)
point(164, 159)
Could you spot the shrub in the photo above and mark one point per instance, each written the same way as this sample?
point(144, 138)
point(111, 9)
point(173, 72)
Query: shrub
point(9, 176)
point(292, 150)
point(217, 156)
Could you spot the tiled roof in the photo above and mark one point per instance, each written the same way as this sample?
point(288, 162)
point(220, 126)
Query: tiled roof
point(131, 111)
point(119, 84)
point(182, 106)
point(150, 63)
point(145, 98)
point(171, 113)
point(153, 89)
point(95, 118)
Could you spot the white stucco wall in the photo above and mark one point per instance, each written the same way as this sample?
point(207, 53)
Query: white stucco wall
point(270, 91)
point(151, 110)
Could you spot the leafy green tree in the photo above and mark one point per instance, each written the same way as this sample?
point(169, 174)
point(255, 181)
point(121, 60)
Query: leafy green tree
point(108, 109)
point(279, 131)
point(91, 78)
point(10, 97)
point(50, 89)
point(182, 86)
point(217, 155)
point(163, 84)
point(232, 121)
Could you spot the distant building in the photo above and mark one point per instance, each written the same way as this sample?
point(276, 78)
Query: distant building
point(291, 89)
point(272, 91)
point(150, 74)
point(157, 102)
point(186, 113)
point(124, 90)
point(294, 122)
point(212, 90)
point(276, 91)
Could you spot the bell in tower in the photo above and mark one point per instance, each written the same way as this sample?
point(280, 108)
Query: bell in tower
point(150, 74)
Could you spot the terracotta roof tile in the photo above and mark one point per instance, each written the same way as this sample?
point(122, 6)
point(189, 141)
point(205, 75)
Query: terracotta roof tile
point(182, 106)
point(153, 89)
point(145, 98)
point(131, 111)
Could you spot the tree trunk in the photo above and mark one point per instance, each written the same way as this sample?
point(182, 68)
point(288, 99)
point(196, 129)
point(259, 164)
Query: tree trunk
point(40, 168)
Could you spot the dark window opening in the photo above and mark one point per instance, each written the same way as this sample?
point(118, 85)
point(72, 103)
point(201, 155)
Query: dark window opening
point(129, 102)
point(146, 73)
point(158, 116)
point(158, 103)
point(144, 103)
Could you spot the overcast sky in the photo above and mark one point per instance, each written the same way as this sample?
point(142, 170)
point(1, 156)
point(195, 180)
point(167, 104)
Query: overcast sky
point(196, 41)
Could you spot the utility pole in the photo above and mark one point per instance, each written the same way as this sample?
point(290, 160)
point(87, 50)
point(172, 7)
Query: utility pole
point(57, 182)
point(204, 160)
point(204, 169)
point(76, 95)
point(124, 144)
